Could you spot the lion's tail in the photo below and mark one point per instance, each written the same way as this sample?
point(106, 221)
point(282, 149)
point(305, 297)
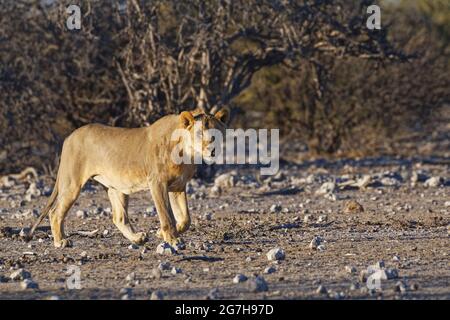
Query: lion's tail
point(45, 211)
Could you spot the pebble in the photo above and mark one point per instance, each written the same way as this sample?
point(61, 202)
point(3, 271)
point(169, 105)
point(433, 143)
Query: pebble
point(350, 269)
point(354, 286)
point(322, 219)
point(176, 270)
point(270, 270)
point(321, 290)
point(215, 191)
point(307, 218)
point(164, 266)
point(133, 247)
point(165, 248)
point(20, 274)
point(275, 208)
point(257, 284)
point(131, 277)
point(239, 278)
point(321, 247)
point(389, 182)
point(151, 211)
point(28, 284)
point(414, 287)
point(433, 182)
point(213, 294)
point(207, 216)
point(447, 204)
point(157, 295)
point(331, 196)
point(33, 191)
point(400, 287)
point(276, 254)
point(81, 214)
point(125, 291)
point(315, 243)
point(326, 188)
point(353, 207)
point(225, 180)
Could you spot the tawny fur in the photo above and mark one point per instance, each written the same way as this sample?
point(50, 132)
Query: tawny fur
point(126, 161)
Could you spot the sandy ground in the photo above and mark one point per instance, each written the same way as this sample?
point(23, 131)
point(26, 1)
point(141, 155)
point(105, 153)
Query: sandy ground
point(405, 226)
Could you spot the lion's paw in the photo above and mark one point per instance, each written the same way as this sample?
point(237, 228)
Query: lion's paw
point(140, 238)
point(64, 243)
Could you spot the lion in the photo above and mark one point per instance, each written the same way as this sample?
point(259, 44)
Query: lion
point(128, 160)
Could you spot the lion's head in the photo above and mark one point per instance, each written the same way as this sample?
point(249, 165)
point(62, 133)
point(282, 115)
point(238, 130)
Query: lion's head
point(203, 138)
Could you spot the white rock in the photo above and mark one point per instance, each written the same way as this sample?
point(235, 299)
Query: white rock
point(275, 208)
point(33, 190)
point(131, 277)
point(400, 287)
point(257, 284)
point(213, 294)
point(326, 188)
point(176, 270)
point(165, 248)
point(215, 191)
point(321, 290)
point(433, 182)
point(225, 180)
point(331, 196)
point(156, 295)
point(239, 278)
point(389, 182)
point(270, 270)
point(20, 274)
point(151, 211)
point(307, 218)
point(315, 243)
point(81, 214)
point(350, 269)
point(275, 254)
point(28, 284)
point(447, 204)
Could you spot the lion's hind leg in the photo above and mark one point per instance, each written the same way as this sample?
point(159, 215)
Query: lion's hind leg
point(119, 204)
point(65, 199)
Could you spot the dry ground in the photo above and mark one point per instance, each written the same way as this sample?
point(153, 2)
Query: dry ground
point(404, 221)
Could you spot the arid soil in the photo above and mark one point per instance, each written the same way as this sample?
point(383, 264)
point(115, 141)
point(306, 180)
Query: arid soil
point(404, 222)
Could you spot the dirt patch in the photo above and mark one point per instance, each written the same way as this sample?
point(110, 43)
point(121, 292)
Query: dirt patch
point(405, 226)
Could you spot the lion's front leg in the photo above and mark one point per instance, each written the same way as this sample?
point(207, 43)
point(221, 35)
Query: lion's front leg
point(160, 196)
point(178, 203)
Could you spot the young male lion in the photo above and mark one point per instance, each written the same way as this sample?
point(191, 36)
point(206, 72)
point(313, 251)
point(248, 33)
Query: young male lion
point(126, 161)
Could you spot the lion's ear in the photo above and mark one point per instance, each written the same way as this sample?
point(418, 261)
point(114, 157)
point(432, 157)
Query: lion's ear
point(223, 115)
point(186, 119)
